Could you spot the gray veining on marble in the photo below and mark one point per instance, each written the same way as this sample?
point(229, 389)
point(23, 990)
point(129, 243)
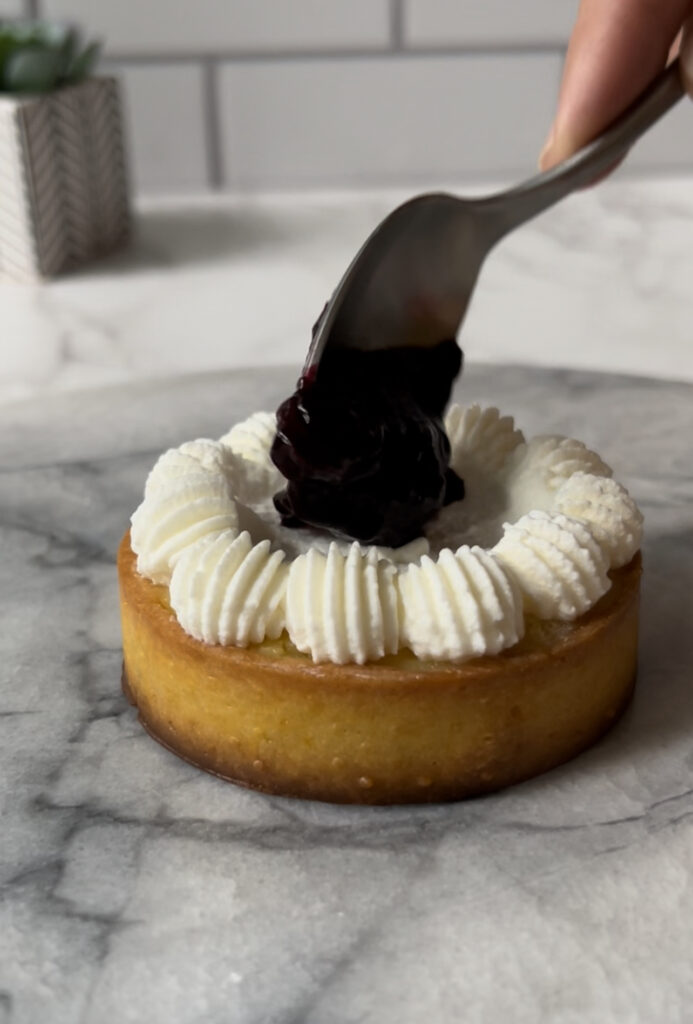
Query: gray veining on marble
point(136, 889)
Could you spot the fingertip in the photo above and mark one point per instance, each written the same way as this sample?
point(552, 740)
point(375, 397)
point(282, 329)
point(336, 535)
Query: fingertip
point(545, 160)
point(615, 51)
point(558, 147)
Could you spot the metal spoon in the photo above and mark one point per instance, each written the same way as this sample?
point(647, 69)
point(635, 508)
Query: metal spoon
point(412, 280)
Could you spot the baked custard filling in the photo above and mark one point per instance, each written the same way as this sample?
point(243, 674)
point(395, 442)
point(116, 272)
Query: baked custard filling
point(534, 531)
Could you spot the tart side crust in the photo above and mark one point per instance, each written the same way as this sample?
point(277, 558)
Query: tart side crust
point(396, 731)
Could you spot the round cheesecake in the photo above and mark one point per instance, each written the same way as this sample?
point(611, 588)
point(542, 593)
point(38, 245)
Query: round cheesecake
point(500, 643)
point(400, 730)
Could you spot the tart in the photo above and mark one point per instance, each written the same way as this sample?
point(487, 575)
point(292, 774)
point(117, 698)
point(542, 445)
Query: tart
point(495, 646)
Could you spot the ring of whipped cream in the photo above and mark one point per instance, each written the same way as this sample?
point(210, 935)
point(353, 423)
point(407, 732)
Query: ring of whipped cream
point(541, 525)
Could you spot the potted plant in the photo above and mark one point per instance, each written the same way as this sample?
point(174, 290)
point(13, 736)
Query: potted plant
point(63, 183)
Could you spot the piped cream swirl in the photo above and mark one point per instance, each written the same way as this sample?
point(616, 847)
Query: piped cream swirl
point(252, 438)
point(462, 605)
point(188, 494)
point(342, 608)
point(550, 459)
point(608, 510)
point(480, 438)
point(559, 566)
point(226, 590)
point(248, 444)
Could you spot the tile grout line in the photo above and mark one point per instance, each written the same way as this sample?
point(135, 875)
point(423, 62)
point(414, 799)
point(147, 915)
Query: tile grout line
point(396, 26)
point(210, 100)
point(370, 53)
point(32, 9)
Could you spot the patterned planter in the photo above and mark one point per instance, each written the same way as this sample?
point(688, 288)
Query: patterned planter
point(63, 182)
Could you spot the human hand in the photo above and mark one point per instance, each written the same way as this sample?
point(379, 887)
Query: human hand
point(617, 47)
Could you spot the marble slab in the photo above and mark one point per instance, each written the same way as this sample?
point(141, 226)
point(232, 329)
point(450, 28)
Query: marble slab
point(137, 889)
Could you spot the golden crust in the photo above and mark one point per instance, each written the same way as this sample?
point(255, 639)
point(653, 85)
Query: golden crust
point(397, 731)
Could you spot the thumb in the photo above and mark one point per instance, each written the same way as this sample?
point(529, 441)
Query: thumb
point(615, 50)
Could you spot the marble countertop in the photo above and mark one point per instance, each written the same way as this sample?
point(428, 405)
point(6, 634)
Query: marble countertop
point(137, 889)
point(602, 282)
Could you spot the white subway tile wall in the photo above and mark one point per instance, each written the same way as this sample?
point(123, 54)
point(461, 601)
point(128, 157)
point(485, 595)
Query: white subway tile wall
point(201, 26)
point(11, 8)
point(358, 121)
point(264, 94)
point(487, 23)
point(165, 111)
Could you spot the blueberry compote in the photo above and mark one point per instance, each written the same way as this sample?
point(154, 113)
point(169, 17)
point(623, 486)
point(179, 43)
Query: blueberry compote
point(362, 445)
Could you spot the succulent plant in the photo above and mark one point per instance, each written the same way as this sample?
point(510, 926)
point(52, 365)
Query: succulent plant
point(39, 56)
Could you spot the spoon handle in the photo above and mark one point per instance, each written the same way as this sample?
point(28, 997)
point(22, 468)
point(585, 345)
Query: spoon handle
point(511, 208)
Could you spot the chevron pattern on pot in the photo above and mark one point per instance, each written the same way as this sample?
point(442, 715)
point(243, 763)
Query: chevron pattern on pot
point(17, 241)
point(108, 169)
point(63, 182)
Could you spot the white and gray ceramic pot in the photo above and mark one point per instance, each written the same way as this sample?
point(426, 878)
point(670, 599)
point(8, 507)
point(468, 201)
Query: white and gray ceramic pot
point(63, 178)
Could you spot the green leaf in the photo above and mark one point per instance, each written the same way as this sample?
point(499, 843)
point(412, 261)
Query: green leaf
point(7, 45)
point(69, 49)
point(36, 56)
point(32, 70)
point(84, 63)
point(9, 42)
point(22, 32)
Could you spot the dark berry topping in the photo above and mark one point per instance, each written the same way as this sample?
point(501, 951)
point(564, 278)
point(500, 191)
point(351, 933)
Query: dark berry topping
point(362, 445)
